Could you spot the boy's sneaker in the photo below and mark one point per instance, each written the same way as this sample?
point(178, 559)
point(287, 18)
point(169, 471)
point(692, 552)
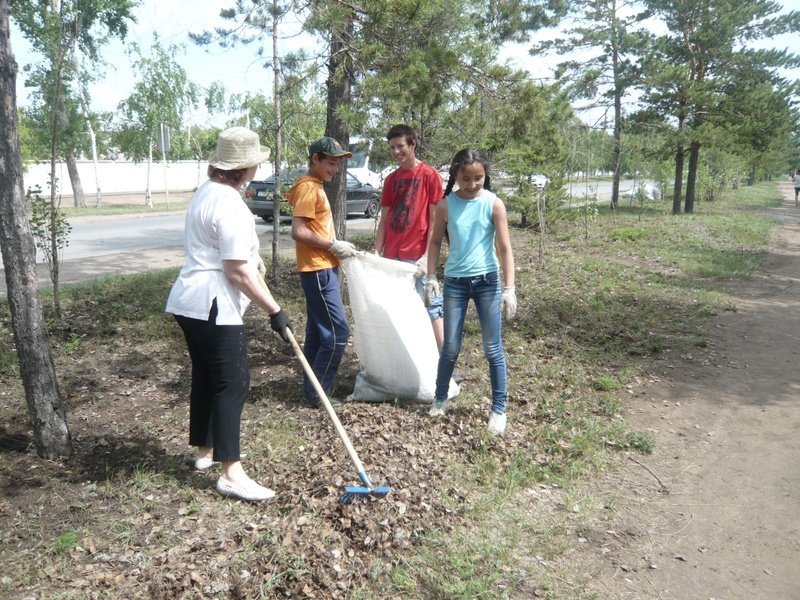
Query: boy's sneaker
point(438, 408)
point(308, 402)
point(497, 423)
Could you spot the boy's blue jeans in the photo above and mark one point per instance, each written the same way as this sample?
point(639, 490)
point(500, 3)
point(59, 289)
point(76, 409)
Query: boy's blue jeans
point(484, 290)
point(326, 330)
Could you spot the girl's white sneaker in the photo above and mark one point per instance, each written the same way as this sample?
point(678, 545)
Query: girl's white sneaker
point(497, 423)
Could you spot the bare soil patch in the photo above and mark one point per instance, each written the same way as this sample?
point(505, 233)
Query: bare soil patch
point(713, 513)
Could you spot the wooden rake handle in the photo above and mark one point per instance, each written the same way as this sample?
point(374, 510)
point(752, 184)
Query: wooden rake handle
point(324, 397)
point(326, 403)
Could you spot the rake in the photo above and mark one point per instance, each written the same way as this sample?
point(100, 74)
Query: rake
point(351, 492)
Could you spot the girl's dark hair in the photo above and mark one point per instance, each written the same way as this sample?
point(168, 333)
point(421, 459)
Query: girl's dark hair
point(234, 177)
point(464, 157)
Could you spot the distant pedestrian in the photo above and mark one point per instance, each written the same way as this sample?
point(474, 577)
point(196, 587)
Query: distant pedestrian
point(219, 279)
point(477, 229)
point(796, 179)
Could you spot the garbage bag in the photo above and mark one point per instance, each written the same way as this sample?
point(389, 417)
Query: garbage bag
point(392, 332)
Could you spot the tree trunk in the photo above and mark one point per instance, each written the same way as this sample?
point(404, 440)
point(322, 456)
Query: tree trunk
point(148, 196)
point(691, 176)
point(339, 84)
point(676, 190)
point(618, 91)
point(276, 95)
point(74, 179)
point(34, 352)
point(98, 202)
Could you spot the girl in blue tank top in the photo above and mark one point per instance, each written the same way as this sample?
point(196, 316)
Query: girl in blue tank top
point(477, 229)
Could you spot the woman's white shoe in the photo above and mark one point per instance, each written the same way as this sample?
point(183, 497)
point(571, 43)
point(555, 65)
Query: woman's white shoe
point(203, 464)
point(251, 491)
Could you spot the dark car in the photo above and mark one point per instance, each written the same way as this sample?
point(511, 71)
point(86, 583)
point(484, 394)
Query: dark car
point(361, 198)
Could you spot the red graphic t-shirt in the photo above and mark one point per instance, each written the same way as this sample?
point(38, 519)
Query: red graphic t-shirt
point(409, 196)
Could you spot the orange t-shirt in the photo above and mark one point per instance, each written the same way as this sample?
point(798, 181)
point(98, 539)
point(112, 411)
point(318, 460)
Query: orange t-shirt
point(308, 200)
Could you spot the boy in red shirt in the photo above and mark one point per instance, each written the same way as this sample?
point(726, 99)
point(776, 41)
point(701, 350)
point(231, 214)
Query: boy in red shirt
point(410, 196)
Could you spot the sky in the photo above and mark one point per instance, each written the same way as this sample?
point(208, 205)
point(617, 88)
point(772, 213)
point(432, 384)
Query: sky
point(239, 69)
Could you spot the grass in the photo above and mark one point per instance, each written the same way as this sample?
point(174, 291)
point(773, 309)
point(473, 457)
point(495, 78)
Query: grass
point(127, 204)
point(589, 318)
point(592, 307)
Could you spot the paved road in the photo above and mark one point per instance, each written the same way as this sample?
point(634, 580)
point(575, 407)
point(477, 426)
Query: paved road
point(113, 245)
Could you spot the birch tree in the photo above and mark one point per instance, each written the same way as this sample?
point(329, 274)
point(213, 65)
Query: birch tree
point(59, 30)
point(162, 94)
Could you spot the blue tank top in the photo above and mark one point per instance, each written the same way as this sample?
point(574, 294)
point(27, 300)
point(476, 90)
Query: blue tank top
point(471, 231)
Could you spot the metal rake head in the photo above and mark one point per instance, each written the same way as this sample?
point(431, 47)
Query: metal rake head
point(352, 492)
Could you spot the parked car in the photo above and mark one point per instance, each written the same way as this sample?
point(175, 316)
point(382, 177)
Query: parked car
point(646, 190)
point(540, 181)
point(361, 197)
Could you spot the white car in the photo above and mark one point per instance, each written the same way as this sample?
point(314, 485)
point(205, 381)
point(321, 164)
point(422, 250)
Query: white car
point(388, 171)
point(648, 190)
point(540, 180)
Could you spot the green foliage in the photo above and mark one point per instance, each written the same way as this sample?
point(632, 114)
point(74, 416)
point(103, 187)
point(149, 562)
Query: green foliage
point(49, 226)
point(303, 119)
point(705, 73)
point(629, 234)
point(56, 30)
point(30, 146)
point(163, 94)
point(65, 543)
point(202, 141)
point(607, 383)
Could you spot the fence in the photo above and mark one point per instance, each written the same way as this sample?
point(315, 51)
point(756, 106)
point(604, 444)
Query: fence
point(120, 177)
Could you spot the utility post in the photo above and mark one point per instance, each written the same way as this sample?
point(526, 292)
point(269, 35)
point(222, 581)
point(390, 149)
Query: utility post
point(163, 145)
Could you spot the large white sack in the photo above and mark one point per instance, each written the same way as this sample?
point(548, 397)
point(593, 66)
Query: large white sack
point(392, 332)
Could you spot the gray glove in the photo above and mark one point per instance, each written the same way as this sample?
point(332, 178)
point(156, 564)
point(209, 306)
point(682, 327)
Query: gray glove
point(422, 267)
point(342, 249)
point(431, 289)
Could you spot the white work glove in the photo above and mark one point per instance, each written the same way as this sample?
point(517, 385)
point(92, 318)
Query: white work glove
point(343, 249)
point(431, 289)
point(508, 302)
point(422, 267)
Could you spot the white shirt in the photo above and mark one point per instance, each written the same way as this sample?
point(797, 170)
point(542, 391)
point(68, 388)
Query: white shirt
point(218, 227)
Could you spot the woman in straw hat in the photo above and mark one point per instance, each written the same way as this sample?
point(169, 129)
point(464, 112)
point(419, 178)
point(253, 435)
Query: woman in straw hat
point(219, 279)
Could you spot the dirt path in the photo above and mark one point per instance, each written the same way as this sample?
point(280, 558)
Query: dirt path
point(728, 451)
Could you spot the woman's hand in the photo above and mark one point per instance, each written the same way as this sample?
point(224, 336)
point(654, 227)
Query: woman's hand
point(281, 323)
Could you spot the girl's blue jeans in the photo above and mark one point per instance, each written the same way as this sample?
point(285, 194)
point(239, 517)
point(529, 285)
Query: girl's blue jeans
point(484, 291)
point(326, 328)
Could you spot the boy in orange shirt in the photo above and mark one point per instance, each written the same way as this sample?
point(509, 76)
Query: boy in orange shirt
point(318, 254)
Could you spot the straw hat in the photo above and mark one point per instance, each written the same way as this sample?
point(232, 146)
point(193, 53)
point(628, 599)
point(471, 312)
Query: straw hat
point(238, 148)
